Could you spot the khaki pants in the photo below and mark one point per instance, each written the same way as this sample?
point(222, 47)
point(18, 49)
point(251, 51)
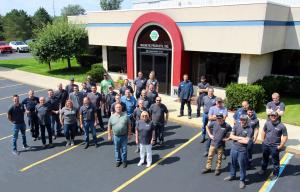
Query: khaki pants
point(211, 153)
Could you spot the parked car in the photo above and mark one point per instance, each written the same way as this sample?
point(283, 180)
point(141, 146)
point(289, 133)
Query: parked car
point(19, 46)
point(4, 47)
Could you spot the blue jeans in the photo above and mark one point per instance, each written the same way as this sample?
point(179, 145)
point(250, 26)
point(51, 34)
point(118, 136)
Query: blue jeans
point(249, 151)
point(89, 126)
point(274, 152)
point(238, 158)
point(16, 128)
point(120, 144)
point(54, 118)
point(70, 130)
point(204, 123)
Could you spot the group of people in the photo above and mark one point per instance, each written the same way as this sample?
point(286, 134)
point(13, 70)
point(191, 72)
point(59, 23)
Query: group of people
point(138, 111)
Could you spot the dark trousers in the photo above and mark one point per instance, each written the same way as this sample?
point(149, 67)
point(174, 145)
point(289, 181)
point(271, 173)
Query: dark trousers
point(274, 152)
point(159, 131)
point(70, 131)
point(204, 123)
point(137, 94)
point(99, 116)
point(199, 103)
point(54, 118)
point(49, 130)
point(238, 158)
point(188, 103)
point(34, 125)
point(249, 151)
point(133, 123)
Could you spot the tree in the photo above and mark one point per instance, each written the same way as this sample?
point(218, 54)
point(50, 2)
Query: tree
point(41, 18)
point(1, 28)
point(110, 4)
point(60, 40)
point(72, 10)
point(17, 25)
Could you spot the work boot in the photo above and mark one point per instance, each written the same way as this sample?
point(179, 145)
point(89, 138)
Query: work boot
point(203, 140)
point(205, 154)
point(206, 171)
point(217, 172)
point(124, 164)
point(229, 178)
point(118, 164)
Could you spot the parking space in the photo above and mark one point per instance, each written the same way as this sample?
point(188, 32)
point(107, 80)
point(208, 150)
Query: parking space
point(176, 166)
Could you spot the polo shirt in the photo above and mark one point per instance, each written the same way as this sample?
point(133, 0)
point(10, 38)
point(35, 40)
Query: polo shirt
point(253, 123)
point(145, 130)
point(119, 124)
point(203, 85)
point(140, 84)
point(77, 99)
point(95, 99)
point(240, 131)
point(30, 103)
point(61, 96)
point(17, 114)
point(274, 131)
point(216, 110)
point(208, 102)
point(43, 114)
point(87, 112)
point(129, 103)
point(157, 112)
point(69, 115)
point(105, 83)
point(151, 95)
point(219, 132)
point(110, 97)
point(241, 111)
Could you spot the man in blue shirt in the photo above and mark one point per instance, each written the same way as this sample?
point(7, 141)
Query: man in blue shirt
point(241, 111)
point(185, 93)
point(202, 89)
point(130, 103)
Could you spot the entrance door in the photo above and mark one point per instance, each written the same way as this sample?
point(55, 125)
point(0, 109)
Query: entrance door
point(158, 62)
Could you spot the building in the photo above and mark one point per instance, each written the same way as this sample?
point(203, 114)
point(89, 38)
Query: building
point(226, 42)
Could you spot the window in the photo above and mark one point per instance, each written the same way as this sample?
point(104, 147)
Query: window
point(286, 62)
point(117, 59)
point(220, 69)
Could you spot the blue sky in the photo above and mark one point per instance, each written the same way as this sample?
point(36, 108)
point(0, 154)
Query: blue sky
point(30, 6)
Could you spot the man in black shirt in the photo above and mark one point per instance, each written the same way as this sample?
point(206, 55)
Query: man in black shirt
point(53, 104)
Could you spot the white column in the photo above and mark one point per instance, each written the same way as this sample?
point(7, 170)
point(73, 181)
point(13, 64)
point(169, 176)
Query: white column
point(104, 58)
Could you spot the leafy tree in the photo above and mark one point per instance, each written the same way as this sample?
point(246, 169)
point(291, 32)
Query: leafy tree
point(72, 10)
point(41, 18)
point(1, 28)
point(110, 4)
point(17, 25)
point(60, 40)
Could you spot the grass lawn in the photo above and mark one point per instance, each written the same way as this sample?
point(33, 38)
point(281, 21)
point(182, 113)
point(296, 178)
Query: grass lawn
point(58, 69)
point(292, 108)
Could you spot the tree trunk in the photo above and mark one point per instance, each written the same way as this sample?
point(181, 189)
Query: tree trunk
point(69, 63)
point(49, 66)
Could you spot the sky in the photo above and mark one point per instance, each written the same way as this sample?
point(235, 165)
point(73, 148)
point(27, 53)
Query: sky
point(30, 6)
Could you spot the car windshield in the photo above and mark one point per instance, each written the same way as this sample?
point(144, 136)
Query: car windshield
point(3, 43)
point(20, 43)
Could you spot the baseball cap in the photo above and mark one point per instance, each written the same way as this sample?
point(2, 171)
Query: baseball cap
point(72, 79)
point(244, 117)
point(220, 116)
point(274, 113)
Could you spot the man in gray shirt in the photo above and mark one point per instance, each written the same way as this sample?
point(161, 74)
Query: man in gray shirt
point(77, 98)
point(96, 99)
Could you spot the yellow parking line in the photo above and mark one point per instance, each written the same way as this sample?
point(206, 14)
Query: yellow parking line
point(9, 136)
point(55, 155)
point(3, 98)
point(121, 187)
point(7, 86)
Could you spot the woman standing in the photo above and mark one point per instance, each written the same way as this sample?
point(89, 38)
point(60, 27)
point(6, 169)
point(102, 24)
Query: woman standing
point(152, 81)
point(144, 136)
point(68, 119)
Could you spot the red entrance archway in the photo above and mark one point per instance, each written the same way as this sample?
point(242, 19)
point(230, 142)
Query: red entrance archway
point(179, 67)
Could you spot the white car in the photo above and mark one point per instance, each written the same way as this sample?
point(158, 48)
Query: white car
point(19, 46)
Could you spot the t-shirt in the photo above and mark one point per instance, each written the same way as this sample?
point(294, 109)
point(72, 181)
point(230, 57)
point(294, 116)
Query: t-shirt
point(95, 99)
point(208, 102)
point(119, 124)
point(43, 114)
point(154, 82)
point(110, 97)
point(69, 115)
point(53, 104)
point(77, 99)
point(217, 110)
point(145, 130)
point(274, 131)
point(240, 131)
point(275, 106)
point(151, 95)
point(137, 113)
point(130, 104)
point(105, 83)
point(61, 96)
point(30, 103)
point(219, 132)
point(157, 112)
point(254, 124)
point(112, 108)
point(140, 84)
point(17, 114)
point(203, 85)
point(87, 112)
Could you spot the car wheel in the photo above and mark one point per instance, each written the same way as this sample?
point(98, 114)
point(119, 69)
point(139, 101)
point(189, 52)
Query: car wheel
point(11, 51)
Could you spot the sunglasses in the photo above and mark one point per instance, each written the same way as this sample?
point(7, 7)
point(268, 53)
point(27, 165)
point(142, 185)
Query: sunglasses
point(158, 100)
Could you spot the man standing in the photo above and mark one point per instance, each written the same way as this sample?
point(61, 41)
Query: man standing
point(70, 88)
point(275, 105)
point(159, 115)
point(220, 134)
point(208, 101)
point(119, 127)
point(88, 121)
point(241, 111)
point(241, 134)
point(15, 115)
point(105, 83)
point(274, 136)
point(126, 85)
point(77, 98)
point(85, 90)
point(152, 94)
point(109, 99)
point(145, 99)
point(139, 84)
point(202, 90)
point(90, 82)
point(61, 95)
point(185, 93)
point(254, 125)
point(30, 102)
point(118, 100)
point(95, 99)
point(130, 103)
point(53, 104)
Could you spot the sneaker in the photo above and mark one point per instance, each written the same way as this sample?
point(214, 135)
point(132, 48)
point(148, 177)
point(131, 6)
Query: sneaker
point(86, 146)
point(206, 171)
point(190, 117)
point(229, 178)
point(217, 172)
point(273, 177)
point(118, 164)
point(26, 147)
point(203, 140)
point(205, 154)
point(124, 164)
point(148, 165)
point(15, 152)
point(72, 143)
point(262, 172)
point(242, 185)
point(140, 163)
point(68, 143)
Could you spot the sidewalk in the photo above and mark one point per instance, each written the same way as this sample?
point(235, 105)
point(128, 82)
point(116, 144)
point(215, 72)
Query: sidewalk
point(293, 144)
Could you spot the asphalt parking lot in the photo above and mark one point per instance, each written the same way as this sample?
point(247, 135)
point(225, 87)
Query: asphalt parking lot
point(176, 166)
point(14, 55)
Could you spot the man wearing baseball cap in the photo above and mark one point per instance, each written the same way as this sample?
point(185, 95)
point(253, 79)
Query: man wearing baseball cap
point(274, 136)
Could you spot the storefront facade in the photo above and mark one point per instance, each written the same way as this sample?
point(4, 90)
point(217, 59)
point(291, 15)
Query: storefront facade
point(233, 43)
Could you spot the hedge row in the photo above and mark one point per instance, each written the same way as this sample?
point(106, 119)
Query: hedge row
point(96, 72)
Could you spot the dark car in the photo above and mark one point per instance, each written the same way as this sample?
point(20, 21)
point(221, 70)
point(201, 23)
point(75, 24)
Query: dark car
point(4, 47)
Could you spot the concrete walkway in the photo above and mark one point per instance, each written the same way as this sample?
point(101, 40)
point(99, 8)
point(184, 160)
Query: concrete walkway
point(293, 144)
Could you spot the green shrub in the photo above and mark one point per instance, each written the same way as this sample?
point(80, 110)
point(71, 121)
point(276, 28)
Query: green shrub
point(236, 93)
point(96, 72)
